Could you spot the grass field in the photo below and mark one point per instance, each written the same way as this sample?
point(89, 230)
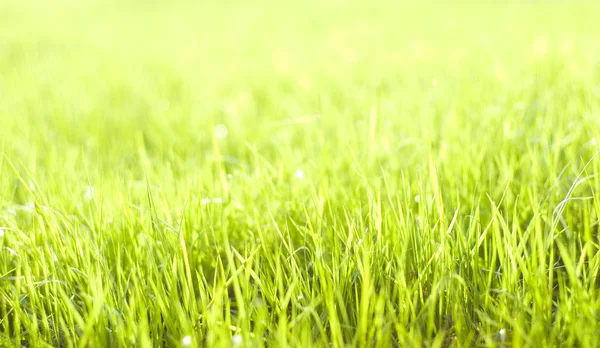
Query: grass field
point(326, 173)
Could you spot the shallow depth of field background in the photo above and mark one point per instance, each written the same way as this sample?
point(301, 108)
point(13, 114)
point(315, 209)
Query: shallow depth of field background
point(291, 174)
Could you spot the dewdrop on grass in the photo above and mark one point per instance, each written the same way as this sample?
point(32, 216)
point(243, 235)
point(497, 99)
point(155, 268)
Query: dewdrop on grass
point(300, 174)
point(88, 194)
point(502, 334)
point(221, 131)
point(236, 340)
point(216, 200)
point(1, 232)
point(186, 341)
point(28, 207)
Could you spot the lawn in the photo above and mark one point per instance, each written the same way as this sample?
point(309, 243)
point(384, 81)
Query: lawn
point(320, 173)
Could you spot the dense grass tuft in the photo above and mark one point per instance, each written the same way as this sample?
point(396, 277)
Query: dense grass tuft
point(327, 174)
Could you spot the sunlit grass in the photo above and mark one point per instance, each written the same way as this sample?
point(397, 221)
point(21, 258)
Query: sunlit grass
point(311, 175)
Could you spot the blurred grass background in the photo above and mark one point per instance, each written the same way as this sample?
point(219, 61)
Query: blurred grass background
point(298, 82)
point(90, 70)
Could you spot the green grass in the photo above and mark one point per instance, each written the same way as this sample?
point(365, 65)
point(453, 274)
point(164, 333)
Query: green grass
point(327, 174)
